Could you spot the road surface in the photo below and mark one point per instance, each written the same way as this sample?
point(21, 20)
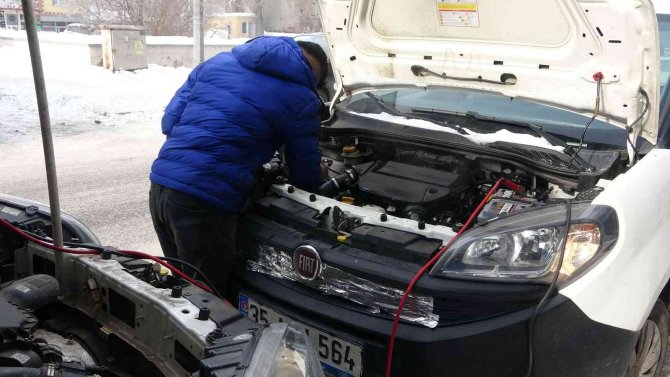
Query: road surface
point(103, 179)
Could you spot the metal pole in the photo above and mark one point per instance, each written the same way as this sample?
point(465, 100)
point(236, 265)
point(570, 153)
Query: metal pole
point(198, 33)
point(45, 121)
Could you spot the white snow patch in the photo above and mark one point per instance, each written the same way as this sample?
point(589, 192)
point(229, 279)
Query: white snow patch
point(82, 97)
point(477, 138)
point(51, 37)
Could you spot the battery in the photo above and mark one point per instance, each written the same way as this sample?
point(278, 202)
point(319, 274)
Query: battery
point(503, 202)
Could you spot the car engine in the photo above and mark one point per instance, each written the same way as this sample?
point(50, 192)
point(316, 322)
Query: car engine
point(30, 351)
point(86, 309)
point(428, 187)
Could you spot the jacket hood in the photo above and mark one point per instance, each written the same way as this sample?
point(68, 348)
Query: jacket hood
point(276, 56)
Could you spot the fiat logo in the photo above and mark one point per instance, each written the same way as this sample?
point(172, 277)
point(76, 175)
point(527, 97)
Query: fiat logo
point(306, 262)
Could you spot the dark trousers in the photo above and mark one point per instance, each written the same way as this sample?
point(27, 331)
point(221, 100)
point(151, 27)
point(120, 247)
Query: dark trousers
point(194, 231)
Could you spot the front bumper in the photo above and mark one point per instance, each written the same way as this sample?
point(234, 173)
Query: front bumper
point(567, 342)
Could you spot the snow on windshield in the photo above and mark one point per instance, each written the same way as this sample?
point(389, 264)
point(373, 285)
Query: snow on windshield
point(477, 138)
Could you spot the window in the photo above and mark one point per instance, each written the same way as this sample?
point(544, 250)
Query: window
point(244, 27)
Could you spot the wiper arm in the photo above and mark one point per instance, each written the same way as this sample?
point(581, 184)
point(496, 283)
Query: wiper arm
point(384, 105)
point(394, 111)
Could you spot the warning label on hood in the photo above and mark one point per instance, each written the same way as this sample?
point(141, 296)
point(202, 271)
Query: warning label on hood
point(464, 13)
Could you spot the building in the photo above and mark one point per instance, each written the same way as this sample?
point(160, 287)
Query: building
point(51, 15)
point(236, 25)
point(55, 15)
point(11, 16)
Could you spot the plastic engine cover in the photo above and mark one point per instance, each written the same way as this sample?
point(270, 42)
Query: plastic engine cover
point(397, 183)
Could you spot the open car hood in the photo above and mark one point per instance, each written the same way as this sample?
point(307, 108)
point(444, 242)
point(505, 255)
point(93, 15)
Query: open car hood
point(545, 51)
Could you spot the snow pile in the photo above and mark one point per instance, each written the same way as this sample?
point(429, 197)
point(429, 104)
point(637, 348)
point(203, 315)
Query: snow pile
point(51, 37)
point(81, 97)
point(477, 138)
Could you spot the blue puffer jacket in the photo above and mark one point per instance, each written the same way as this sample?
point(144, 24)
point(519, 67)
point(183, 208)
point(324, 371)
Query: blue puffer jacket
point(234, 111)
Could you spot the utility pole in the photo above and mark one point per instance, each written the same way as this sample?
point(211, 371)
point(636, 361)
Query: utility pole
point(45, 122)
point(198, 33)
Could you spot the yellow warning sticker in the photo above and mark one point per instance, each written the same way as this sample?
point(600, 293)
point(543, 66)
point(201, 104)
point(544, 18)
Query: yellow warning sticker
point(139, 47)
point(463, 13)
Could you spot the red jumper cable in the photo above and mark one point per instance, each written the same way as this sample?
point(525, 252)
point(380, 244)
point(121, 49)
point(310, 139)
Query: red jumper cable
point(434, 259)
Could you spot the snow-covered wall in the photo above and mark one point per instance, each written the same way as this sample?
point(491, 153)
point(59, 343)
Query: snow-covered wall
point(169, 55)
point(165, 51)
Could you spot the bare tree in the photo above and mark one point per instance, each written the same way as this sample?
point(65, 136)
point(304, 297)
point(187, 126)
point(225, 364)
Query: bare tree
point(295, 16)
point(175, 17)
point(159, 17)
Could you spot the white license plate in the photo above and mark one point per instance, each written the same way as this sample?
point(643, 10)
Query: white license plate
point(338, 357)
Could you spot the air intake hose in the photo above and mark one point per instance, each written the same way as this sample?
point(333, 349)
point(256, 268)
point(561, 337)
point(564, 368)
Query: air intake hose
point(339, 184)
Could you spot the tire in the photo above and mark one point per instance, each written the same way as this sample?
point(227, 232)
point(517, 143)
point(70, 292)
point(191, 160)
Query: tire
point(649, 354)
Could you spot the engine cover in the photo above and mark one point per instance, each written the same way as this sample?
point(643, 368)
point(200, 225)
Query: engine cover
point(17, 302)
point(395, 183)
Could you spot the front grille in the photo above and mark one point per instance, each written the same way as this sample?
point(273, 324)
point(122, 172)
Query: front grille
point(450, 301)
point(377, 298)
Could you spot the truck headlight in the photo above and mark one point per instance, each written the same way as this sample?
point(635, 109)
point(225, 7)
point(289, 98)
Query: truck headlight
point(284, 350)
point(526, 246)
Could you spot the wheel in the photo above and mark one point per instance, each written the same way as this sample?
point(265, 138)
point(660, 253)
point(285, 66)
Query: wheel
point(649, 353)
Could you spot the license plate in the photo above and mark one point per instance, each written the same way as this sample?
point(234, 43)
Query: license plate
point(339, 358)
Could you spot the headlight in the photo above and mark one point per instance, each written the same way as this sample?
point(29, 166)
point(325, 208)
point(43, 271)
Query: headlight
point(284, 350)
point(526, 246)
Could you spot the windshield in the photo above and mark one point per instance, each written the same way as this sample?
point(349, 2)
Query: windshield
point(445, 103)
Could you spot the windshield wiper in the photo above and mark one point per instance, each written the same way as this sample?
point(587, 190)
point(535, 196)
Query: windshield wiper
point(537, 129)
point(392, 110)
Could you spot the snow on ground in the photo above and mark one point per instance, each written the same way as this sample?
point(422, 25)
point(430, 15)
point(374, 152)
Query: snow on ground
point(44, 36)
point(82, 97)
point(106, 129)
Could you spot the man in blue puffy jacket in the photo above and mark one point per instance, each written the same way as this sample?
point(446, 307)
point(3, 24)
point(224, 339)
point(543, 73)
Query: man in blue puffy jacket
point(228, 119)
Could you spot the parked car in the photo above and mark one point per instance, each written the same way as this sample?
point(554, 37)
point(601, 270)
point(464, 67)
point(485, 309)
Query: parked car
point(94, 310)
point(82, 28)
point(539, 128)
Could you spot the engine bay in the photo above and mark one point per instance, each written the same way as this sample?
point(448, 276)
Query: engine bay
point(431, 187)
point(101, 314)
